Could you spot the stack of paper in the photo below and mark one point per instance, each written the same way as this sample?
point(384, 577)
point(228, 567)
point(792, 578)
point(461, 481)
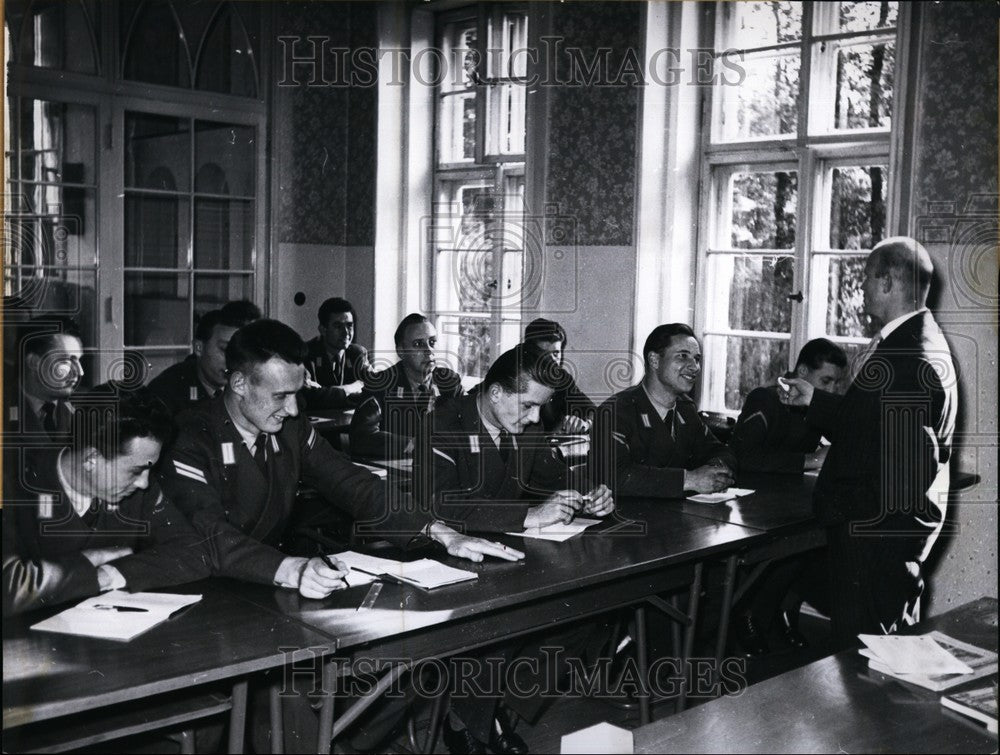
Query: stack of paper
point(979, 704)
point(425, 573)
point(934, 661)
point(725, 495)
point(116, 615)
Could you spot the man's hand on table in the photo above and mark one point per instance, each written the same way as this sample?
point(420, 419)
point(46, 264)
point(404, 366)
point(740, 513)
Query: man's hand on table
point(468, 547)
point(709, 478)
point(312, 577)
point(599, 501)
point(560, 508)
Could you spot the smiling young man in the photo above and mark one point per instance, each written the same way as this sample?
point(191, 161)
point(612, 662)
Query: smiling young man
point(395, 400)
point(337, 366)
point(202, 374)
point(87, 518)
point(239, 458)
point(482, 462)
point(660, 446)
point(49, 372)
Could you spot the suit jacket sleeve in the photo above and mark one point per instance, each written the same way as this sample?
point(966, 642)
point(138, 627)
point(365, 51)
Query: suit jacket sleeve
point(175, 555)
point(368, 439)
point(751, 441)
point(192, 477)
point(34, 583)
point(386, 510)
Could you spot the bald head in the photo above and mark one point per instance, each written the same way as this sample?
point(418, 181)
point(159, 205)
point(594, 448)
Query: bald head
point(897, 278)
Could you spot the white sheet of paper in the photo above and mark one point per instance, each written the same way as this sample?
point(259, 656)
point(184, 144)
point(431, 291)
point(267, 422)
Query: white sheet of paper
point(558, 532)
point(913, 655)
point(602, 737)
point(95, 616)
point(723, 495)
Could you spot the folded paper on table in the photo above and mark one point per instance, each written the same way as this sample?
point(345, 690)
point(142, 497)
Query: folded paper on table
point(558, 532)
point(723, 495)
point(116, 615)
point(982, 662)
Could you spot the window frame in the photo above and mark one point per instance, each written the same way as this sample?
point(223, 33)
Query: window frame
point(812, 153)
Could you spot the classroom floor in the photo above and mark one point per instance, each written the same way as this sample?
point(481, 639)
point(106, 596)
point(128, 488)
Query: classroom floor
point(569, 714)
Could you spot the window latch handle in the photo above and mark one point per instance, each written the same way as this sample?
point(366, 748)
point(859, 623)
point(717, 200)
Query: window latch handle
point(795, 297)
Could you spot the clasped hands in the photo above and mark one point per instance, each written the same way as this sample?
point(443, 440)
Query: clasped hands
point(562, 506)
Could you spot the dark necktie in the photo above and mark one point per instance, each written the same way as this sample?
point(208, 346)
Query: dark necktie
point(260, 453)
point(49, 423)
point(506, 446)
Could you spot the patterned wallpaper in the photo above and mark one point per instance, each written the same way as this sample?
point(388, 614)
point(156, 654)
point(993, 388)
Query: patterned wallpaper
point(324, 134)
point(592, 128)
point(958, 131)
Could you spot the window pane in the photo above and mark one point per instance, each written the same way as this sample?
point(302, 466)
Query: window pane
point(223, 234)
point(57, 291)
point(157, 312)
point(506, 105)
point(226, 61)
point(59, 35)
point(862, 16)
point(759, 24)
point(464, 280)
point(857, 207)
point(53, 225)
point(467, 343)
point(765, 103)
point(212, 291)
point(460, 56)
point(750, 292)
point(510, 42)
point(57, 142)
point(224, 159)
point(749, 363)
point(764, 207)
point(837, 282)
point(865, 76)
point(157, 152)
point(155, 29)
point(157, 361)
point(157, 231)
point(457, 137)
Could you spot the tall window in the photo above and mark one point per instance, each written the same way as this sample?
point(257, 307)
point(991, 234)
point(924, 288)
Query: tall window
point(134, 162)
point(477, 245)
point(797, 169)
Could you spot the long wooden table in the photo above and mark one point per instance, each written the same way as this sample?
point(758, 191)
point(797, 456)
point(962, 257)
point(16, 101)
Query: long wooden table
point(223, 637)
point(835, 705)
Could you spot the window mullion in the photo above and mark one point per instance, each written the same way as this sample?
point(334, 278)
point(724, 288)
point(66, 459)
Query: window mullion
point(803, 244)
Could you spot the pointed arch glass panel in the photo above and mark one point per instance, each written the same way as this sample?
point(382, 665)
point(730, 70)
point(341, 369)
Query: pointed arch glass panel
point(226, 61)
point(59, 34)
point(156, 47)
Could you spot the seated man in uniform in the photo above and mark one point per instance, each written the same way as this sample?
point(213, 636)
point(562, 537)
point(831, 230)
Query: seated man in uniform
point(775, 438)
point(86, 517)
point(203, 373)
point(48, 371)
point(483, 462)
point(659, 444)
point(239, 458)
point(336, 366)
point(569, 410)
point(396, 399)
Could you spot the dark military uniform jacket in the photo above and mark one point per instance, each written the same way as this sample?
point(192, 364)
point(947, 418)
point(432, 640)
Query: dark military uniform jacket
point(772, 437)
point(567, 399)
point(391, 410)
point(649, 455)
point(243, 512)
point(179, 386)
point(24, 427)
point(460, 472)
point(43, 537)
point(332, 375)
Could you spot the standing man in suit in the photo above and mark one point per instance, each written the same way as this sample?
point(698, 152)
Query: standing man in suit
point(38, 407)
point(202, 374)
point(336, 365)
point(85, 518)
point(884, 487)
point(659, 445)
point(395, 400)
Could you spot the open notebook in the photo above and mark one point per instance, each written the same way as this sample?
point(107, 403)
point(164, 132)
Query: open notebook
point(116, 615)
point(425, 573)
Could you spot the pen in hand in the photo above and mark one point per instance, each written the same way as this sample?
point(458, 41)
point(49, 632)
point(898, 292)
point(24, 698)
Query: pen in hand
point(120, 609)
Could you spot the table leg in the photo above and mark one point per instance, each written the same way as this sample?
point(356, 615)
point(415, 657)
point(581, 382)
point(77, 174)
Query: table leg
point(641, 652)
point(238, 717)
point(728, 588)
point(326, 709)
point(437, 714)
point(689, 634)
point(277, 718)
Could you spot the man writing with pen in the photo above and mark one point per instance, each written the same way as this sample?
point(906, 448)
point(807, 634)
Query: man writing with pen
point(483, 463)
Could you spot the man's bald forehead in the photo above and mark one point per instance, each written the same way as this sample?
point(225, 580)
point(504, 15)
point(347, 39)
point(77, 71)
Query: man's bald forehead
point(903, 251)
